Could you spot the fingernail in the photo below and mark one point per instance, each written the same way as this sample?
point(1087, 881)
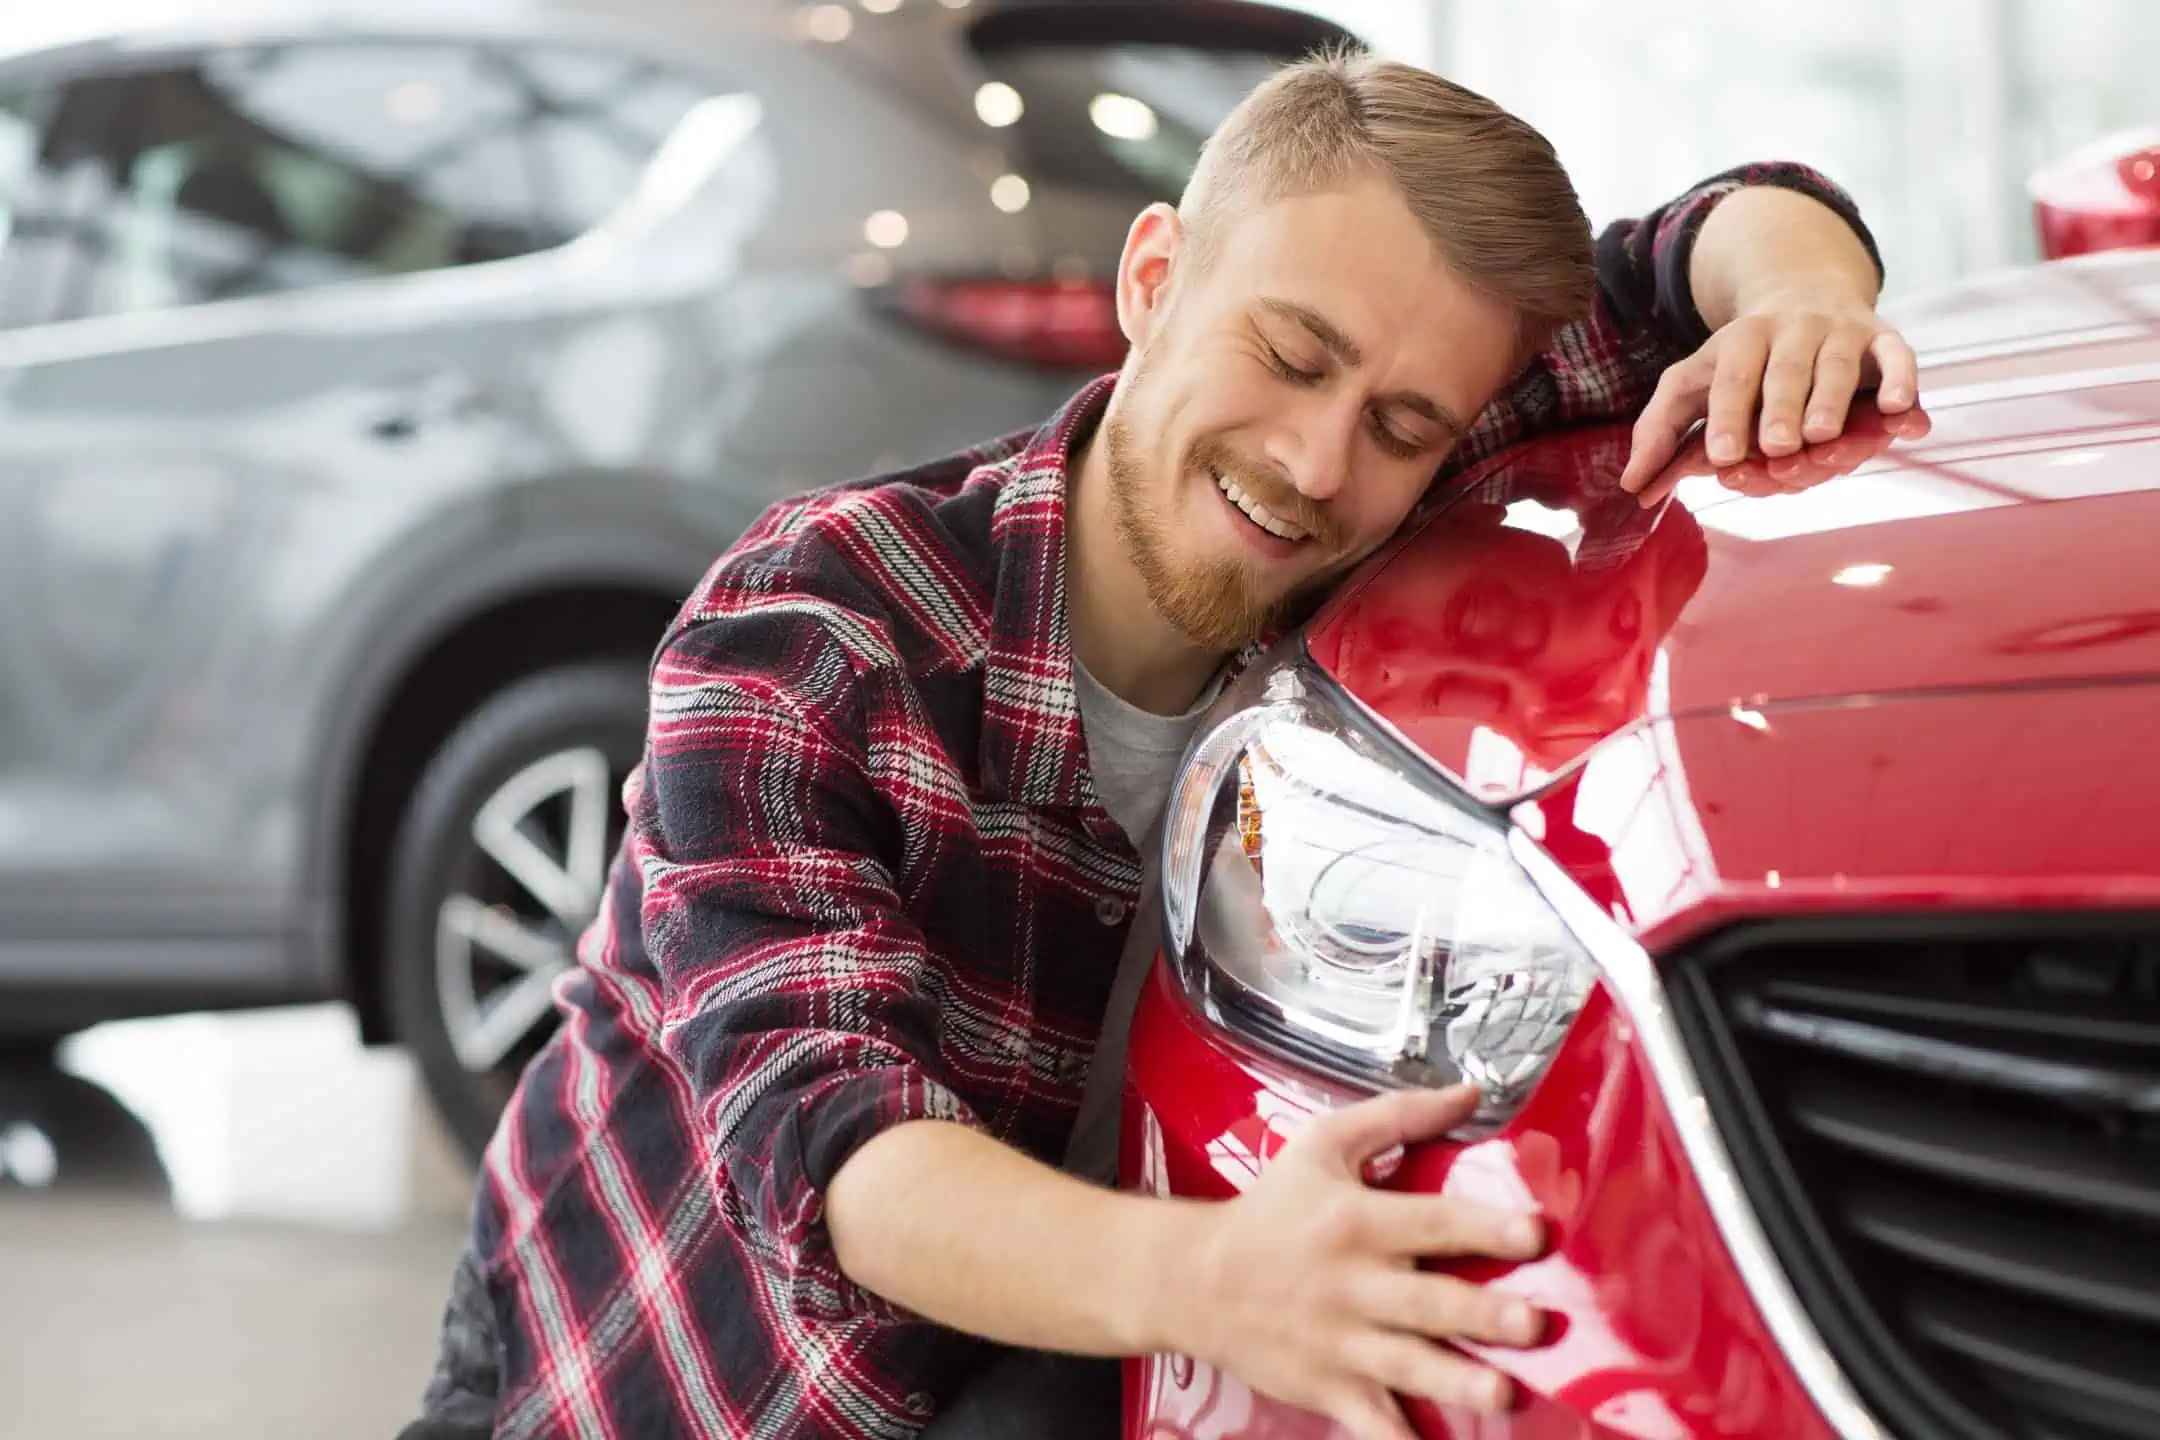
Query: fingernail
point(1494, 1391)
point(1894, 395)
point(1524, 1234)
point(1724, 449)
point(1820, 424)
point(1521, 1323)
point(1781, 434)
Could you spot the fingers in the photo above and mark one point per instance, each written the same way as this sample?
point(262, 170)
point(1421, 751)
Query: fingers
point(1349, 1137)
point(1899, 386)
point(1409, 1365)
point(1743, 353)
point(1445, 1308)
point(1368, 1412)
point(1416, 1226)
point(1674, 408)
point(1788, 375)
point(1837, 376)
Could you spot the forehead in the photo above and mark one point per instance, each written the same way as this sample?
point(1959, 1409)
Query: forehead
point(1360, 258)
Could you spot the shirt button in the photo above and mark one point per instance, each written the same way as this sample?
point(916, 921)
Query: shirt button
point(1112, 912)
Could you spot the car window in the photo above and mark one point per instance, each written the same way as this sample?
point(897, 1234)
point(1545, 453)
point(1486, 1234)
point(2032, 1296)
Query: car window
point(275, 168)
point(1122, 117)
point(597, 119)
point(266, 170)
point(51, 179)
point(1118, 95)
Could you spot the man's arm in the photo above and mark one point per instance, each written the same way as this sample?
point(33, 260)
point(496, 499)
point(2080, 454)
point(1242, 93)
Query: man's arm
point(1304, 1286)
point(798, 1003)
point(1647, 341)
point(1787, 286)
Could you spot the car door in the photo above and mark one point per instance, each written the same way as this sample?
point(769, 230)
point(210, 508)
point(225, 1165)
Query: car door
point(228, 391)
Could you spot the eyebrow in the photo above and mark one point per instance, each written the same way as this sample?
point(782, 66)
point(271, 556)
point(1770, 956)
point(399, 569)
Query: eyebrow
point(1347, 354)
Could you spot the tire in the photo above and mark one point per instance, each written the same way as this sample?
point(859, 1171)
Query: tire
point(495, 872)
point(59, 1132)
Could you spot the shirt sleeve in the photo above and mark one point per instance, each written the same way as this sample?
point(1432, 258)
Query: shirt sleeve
point(1606, 366)
point(798, 995)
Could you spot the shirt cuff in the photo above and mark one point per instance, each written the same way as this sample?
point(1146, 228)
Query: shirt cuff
point(1682, 221)
point(774, 1197)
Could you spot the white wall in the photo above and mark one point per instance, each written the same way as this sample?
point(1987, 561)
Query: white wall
point(1932, 112)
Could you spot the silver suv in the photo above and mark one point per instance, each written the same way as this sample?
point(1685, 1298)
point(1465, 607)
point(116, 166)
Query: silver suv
point(371, 392)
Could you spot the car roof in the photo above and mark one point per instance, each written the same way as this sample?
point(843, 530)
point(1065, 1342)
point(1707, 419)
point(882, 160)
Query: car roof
point(108, 26)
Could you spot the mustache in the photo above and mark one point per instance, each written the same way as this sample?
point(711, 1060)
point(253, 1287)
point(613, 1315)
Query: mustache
point(1267, 483)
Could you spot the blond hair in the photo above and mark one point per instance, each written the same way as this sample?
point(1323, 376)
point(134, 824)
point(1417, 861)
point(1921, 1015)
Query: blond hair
point(1484, 185)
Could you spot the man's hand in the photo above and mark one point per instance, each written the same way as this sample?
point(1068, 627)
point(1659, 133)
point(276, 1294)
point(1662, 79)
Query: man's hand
point(1306, 1286)
point(1788, 292)
point(1799, 362)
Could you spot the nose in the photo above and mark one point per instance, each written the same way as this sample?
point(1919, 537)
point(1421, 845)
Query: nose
point(1313, 443)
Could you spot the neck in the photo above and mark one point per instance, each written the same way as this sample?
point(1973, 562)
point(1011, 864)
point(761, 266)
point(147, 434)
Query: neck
point(1125, 644)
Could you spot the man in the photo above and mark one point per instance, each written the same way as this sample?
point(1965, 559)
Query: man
point(794, 1156)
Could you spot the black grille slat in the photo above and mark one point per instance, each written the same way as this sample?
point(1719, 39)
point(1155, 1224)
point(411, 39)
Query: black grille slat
point(2085, 1082)
point(1957, 1144)
point(2093, 1380)
point(2006, 1251)
point(1940, 1013)
point(1951, 1130)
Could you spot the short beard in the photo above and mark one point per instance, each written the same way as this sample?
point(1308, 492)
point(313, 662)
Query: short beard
point(1216, 605)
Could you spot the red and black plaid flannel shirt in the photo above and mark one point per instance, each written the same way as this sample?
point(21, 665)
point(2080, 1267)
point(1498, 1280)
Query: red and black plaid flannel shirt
point(867, 880)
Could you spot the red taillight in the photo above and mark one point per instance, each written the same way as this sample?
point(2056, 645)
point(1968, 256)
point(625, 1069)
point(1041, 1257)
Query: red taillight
point(1057, 324)
point(2105, 197)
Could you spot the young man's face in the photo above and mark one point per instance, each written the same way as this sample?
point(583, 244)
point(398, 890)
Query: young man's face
point(1320, 365)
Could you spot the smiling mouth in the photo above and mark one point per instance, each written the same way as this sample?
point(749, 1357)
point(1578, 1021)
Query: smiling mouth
point(1256, 512)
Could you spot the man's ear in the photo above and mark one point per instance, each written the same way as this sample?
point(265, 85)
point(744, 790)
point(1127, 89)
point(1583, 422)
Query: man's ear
point(1144, 271)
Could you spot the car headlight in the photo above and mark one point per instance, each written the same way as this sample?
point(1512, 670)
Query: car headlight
point(1328, 898)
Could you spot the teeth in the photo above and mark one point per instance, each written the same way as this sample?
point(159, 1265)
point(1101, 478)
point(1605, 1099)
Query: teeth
point(1256, 512)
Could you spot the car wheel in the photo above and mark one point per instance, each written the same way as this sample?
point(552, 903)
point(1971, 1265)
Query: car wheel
point(496, 870)
point(61, 1132)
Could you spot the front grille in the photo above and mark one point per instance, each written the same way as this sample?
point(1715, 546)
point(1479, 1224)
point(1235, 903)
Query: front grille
point(1952, 1134)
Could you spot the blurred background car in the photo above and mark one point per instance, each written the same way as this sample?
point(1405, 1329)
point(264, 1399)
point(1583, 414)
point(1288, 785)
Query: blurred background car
point(372, 390)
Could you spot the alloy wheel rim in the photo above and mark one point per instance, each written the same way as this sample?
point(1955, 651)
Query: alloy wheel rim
point(540, 854)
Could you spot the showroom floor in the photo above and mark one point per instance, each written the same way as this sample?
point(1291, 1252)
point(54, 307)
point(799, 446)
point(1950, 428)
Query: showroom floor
point(264, 1253)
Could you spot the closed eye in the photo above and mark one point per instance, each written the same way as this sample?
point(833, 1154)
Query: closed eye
point(1288, 371)
point(1393, 441)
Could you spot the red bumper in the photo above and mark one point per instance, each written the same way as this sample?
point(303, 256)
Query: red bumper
point(1655, 1335)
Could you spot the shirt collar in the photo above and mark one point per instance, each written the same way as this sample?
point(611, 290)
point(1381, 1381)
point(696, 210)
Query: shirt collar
point(1032, 747)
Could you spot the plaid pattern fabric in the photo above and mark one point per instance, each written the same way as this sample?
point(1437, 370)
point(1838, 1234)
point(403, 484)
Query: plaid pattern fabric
point(866, 880)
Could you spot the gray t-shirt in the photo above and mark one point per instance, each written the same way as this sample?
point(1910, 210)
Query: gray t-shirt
point(1133, 756)
point(1132, 753)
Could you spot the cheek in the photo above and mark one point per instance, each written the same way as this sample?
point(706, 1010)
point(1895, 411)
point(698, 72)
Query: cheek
point(1376, 508)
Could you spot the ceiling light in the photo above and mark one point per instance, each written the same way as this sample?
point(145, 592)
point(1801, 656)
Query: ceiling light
point(999, 105)
point(886, 229)
point(880, 7)
point(1121, 117)
point(829, 23)
point(1749, 716)
point(1862, 575)
point(1010, 193)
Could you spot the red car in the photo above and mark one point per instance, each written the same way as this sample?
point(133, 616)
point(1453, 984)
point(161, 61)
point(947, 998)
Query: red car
point(1783, 861)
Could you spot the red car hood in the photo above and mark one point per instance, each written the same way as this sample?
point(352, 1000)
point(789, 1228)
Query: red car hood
point(1901, 672)
point(1541, 613)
